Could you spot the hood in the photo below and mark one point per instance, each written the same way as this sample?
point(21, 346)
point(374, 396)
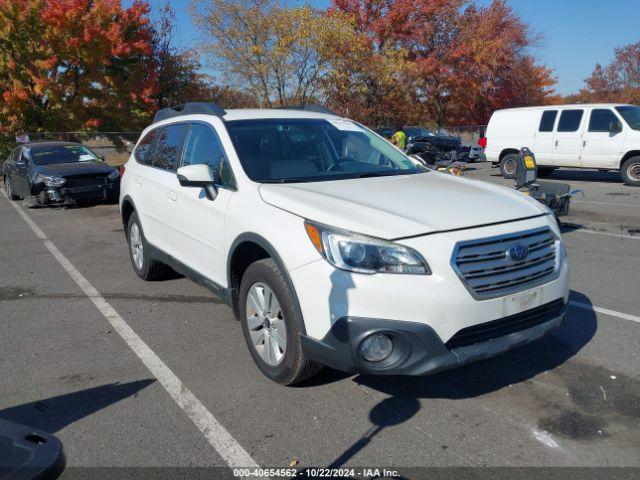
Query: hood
point(75, 168)
point(402, 206)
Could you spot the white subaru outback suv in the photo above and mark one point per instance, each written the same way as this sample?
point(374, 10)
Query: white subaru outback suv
point(333, 248)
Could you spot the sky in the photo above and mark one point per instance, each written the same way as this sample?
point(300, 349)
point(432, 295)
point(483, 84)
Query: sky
point(576, 34)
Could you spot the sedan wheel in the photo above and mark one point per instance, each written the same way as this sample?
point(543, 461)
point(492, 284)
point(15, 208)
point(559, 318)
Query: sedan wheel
point(266, 324)
point(9, 189)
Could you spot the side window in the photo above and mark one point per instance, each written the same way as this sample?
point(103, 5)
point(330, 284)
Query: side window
point(168, 146)
point(601, 119)
point(548, 120)
point(142, 150)
point(203, 146)
point(570, 120)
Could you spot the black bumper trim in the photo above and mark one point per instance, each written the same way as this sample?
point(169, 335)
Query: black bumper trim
point(418, 350)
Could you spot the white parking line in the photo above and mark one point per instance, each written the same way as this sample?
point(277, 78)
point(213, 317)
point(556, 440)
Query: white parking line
point(606, 311)
point(219, 438)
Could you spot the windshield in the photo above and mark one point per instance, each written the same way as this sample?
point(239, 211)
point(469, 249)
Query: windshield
point(631, 115)
point(49, 154)
point(314, 150)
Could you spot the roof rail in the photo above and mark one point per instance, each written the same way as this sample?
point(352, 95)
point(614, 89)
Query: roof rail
point(207, 108)
point(310, 107)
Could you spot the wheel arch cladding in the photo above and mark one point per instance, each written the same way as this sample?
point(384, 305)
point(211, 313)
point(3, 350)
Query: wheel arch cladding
point(246, 249)
point(127, 210)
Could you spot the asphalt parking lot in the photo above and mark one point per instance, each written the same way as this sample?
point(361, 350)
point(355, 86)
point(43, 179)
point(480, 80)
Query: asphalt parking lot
point(183, 390)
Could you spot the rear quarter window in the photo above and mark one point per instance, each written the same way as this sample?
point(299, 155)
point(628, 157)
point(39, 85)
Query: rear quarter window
point(141, 153)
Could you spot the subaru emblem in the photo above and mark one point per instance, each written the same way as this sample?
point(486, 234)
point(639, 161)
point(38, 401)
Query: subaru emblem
point(517, 252)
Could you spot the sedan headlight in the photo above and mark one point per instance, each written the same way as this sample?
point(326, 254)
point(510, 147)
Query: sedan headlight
point(50, 180)
point(114, 175)
point(359, 253)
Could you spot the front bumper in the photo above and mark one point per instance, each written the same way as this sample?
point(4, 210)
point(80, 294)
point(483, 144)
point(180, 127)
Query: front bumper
point(418, 350)
point(72, 195)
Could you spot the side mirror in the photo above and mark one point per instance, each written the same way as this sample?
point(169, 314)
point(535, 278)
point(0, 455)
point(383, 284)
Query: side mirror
point(615, 126)
point(101, 158)
point(198, 176)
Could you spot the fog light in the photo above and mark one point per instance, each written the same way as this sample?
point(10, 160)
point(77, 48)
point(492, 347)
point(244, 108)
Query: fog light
point(376, 347)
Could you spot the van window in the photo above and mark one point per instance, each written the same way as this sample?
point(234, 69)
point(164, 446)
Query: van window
point(548, 120)
point(203, 147)
point(169, 146)
point(141, 153)
point(570, 120)
point(601, 119)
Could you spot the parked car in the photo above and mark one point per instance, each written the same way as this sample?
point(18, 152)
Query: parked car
point(601, 136)
point(58, 173)
point(322, 238)
point(386, 132)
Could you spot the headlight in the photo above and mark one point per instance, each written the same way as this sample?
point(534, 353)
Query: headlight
point(114, 175)
point(362, 254)
point(50, 180)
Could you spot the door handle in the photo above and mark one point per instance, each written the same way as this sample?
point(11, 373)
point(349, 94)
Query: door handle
point(138, 181)
point(172, 196)
point(584, 143)
point(556, 143)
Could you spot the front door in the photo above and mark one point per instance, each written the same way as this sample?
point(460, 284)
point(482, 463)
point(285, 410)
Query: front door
point(600, 147)
point(568, 138)
point(199, 224)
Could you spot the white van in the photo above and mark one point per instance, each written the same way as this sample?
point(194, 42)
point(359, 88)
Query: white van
point(601, 136)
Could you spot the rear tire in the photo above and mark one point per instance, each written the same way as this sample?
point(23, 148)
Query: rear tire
point(270, 321)
point(9, 189)
point(146, 267)
point(630, 172)
point(544, 172)
point(508, 165)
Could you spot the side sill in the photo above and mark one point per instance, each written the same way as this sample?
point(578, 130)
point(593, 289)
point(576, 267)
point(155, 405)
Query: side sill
point(191, 274)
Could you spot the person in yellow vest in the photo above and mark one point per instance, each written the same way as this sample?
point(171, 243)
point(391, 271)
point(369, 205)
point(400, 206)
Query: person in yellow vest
point(399, 139)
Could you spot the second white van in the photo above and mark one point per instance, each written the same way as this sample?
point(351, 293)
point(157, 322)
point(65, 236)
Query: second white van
point(598, 136)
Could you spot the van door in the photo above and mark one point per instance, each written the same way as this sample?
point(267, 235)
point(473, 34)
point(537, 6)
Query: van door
point(568, 138)
point(545, 137)
point(602, 148)
point(200, 223)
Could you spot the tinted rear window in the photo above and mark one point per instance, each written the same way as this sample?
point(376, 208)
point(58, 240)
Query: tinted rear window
point(548, 120)
point(570, 120)
point(168, 146)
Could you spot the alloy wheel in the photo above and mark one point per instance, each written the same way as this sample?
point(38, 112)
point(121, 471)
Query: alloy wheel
point(266, 324)
point(135, 242)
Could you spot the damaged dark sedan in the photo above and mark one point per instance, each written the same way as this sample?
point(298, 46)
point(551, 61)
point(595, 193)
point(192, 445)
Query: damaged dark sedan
point(59, 173)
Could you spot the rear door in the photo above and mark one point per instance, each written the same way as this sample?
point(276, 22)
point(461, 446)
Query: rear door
point(545, 137)
point(601, 148)
point(568, 138)
point(199, 223)
point(160, 185)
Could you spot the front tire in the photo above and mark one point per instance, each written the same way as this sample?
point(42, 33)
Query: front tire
point(630, 172)
point(145, 267)
point(9, 189)
point(508, 165)
point(272, 325)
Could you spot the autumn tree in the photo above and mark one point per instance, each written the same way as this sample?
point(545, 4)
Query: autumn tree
point(460, 61)
point(618, 82)
point(67, 65)
point(279, 55)
point(177, 70)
